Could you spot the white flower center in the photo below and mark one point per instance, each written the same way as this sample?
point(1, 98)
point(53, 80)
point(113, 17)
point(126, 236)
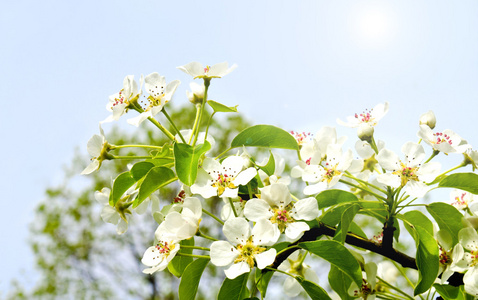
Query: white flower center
point(247, 252)
point(221, 181)
point(406, 173)
point(442, 138)
point(366, 117)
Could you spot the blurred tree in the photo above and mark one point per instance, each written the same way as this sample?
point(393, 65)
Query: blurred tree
point(78, 256)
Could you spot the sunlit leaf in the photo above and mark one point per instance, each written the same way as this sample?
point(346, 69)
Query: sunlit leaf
point(186, 160)
point(463, 181)
point(265, 136)
point(188, 286)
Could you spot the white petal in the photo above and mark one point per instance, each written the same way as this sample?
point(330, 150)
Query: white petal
point(389, 179)
point(264, 233)
point(294, 231)
point(95, 144)
point(237, 230)
point(315, 188)
point(256, 209)
point(193, 68)
point(265, 258)
point(292, 288)
point(237, 269)
point(245, 176)
point(223, 253)
point(388, 160)
point(306, 209)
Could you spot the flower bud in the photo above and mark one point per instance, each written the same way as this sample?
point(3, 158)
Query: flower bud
point(428, 119)
point(471, 221)
point(197, 94)
point(365, 132)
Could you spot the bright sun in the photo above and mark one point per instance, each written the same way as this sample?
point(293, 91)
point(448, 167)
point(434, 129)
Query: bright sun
point(373, 27)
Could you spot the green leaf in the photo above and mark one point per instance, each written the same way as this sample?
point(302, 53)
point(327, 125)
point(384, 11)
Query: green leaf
point(463, 181)
point(155, 179)
point(447, 217)
point(335, 253)
point(121, 184)
point(186, 160)
point(188, 286)
point(417, 218)
point(262, 280)
point(448, 292)
point(313, 290)
point(334, 215)
point(139, 170)
point(179, 263)
point(340, 283)
point(333, 197)
point(265, 136)
point(426, 257)
point(270, 167)
point(233, 289)
point(218, 107)
point(345, 221)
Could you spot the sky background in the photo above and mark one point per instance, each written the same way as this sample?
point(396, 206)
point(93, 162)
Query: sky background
point(301, 65)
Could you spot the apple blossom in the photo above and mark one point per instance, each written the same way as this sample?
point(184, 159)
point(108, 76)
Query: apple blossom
point(160, 93)
point(222, 179)
point(196, 70)
point(246, 248)
point(411, 174)
point(277, 207)
point(120, 102)
point(446, 141)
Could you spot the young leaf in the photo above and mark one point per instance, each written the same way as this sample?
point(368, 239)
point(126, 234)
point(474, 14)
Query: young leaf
point(417, 218)
point(265, 136)
point(340, 282)
point(156, 178)
point(262, 280)
point(345, 221)
point(336, 254)
point(333, 197)
point(121, 184)
point(448, 292)
point(313, 290)
point(447, 217)
point(188, 286)
point(218, 107)
point(139, 170)
point(270, 167)
point(463, 181)
point(179, 263)
point(233, 289)
point(186, 159)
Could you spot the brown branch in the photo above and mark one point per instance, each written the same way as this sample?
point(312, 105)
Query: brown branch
point(352, 239)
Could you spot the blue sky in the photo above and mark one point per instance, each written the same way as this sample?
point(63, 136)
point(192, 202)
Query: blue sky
point(301, 66)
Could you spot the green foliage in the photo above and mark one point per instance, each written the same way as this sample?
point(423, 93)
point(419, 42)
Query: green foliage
point(265, 136)
point(218, 107)
point(190, 280)
point(340, 282)
point(186, 159)
point(463, 181)
point(232, 289)
point(447, 217)
point(155, 179)
point(313, 290)
point(178, 265)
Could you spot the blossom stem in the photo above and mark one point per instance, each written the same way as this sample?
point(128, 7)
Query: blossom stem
point(452, 169)
point(347, 174)
point(131, 157)
point(196, 122)
point(394, 288)
point(195, 247)
point(165, 113)
point(193, 255)
point(114, 147)
point(280, 271)
point(199, 233)
point(288, 249)
point(213, 216)
point(232, 207)
point(207, 81)
point(208, 124)
point(223, 153)
point(361, 188)
point(435, 153)
point(161, 127)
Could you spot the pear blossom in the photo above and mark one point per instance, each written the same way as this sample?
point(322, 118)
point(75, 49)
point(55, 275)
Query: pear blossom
point(186, 133)
point(411, 173)
point(222, 179)
point(111, 214)
point(120, 102)
point(450, 257)
point(98, 148)
point(245, 247)
point(181, 225)
point(157, 257)
point(446, 141)
point(196, 70)
point(197, 93)
point(314, 151)
point(276, 177)
point(277, 207)
point(367, 290)
point(327, 175)
point(160, 93)
point(301, 137)
point(461, 200)
point(227, 212)
point(468, 238)
point(153, 199)
point(294, 265)
point(369, 117)
point(428, 119)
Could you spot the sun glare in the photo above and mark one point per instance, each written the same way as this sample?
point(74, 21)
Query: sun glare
point(373, 27)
